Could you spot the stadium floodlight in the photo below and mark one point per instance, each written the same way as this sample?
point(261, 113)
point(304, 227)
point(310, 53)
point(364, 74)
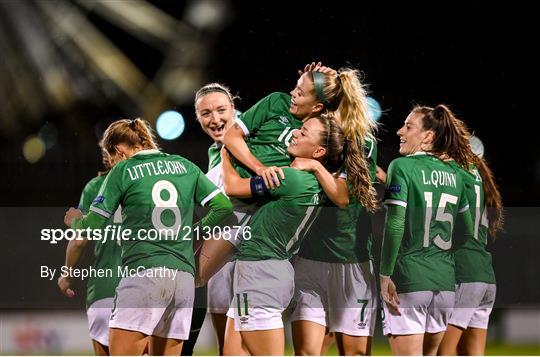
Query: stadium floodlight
point(33, 149)
point(374, 108)
point(170, 125)
point(477, 146)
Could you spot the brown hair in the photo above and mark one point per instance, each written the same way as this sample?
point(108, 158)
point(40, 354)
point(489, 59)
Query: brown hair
point(452, 138)
point(346, 94)
point(215, 88)
point(133, 133)
point(107, 162)
point(333, 140)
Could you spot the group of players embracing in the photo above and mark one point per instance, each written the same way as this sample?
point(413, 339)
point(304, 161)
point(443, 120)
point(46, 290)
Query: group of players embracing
point(292, 179)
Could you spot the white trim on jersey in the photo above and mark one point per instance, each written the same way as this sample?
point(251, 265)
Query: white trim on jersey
point(371, 148)
point(210, 196)
point(464, 209)
point(343, 175)
point(242, 126)
point(100, 212)
point(395, 202)
point(147, 152)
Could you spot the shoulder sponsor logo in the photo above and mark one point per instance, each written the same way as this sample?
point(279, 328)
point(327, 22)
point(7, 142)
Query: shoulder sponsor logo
point(283, 120)
point(394, 188)
point(99, 199)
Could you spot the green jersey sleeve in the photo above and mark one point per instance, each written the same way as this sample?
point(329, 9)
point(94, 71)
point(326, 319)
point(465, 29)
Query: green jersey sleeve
point(396, 184)
point(295, 181)
point(90, 192)
point(108, 198)
point(205, 190)
point(253, 118)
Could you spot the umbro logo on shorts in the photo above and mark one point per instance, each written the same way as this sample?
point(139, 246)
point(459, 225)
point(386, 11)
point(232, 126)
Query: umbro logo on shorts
point(361, 325)
point(244, 320)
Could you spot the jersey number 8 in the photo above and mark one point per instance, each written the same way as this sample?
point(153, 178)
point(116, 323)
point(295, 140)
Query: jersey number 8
point(162, 205)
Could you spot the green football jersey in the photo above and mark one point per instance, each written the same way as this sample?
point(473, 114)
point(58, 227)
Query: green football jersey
point(157, 192)
point(278, 227)
point(433, 194)
point(473, 261)
point(107, 254)
point(214, 155)
point(342, 235)
point(268, 127)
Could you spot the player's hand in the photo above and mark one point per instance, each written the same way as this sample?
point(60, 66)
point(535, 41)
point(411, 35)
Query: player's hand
point(309, 67)
point(271, 175)
point(389, 294)
point(304, 164)
point(71, 214)
point(381, 175)
point(318, 67)
point(64, 283)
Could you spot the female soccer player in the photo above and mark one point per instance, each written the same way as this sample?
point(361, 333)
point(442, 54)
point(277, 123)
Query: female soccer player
point(263, 276)
point(335, 288)
point(100, 291)
point(215, 110)
point(423, 198)
point(260, 137)
point(475, 294)
point(157, 192)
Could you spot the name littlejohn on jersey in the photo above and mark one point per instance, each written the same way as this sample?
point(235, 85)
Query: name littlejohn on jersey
point(158, 168)
point(121, 272)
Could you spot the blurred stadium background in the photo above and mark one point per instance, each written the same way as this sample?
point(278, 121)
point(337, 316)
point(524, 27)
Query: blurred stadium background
point(69, 68)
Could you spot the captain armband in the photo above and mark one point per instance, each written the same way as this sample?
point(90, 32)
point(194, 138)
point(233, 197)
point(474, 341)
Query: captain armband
point(258, 187)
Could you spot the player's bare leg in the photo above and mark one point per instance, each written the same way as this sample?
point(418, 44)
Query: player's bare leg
point(432, 342)
point(219, 321)
point(99, 349)
point(308, 337)
point(473, 342)
point(406, 345)
point(232, 345)
point(265, 342)
point(448, 346)
point(353, 345)
point(125, 342)
point(160, 346)
point(213, 255)
point(329, 338)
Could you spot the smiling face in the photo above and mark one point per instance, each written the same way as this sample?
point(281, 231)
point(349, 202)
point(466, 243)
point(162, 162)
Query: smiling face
point(412, 136)
point(215, 113)
point(306, 142)
point(303, 100)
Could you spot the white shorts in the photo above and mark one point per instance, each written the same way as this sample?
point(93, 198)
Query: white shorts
point(262, 291)
point(341, 296)
point(99, 314)
point(421, 312)
point(220, 290)
point(473, 305)
point(159, 305)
